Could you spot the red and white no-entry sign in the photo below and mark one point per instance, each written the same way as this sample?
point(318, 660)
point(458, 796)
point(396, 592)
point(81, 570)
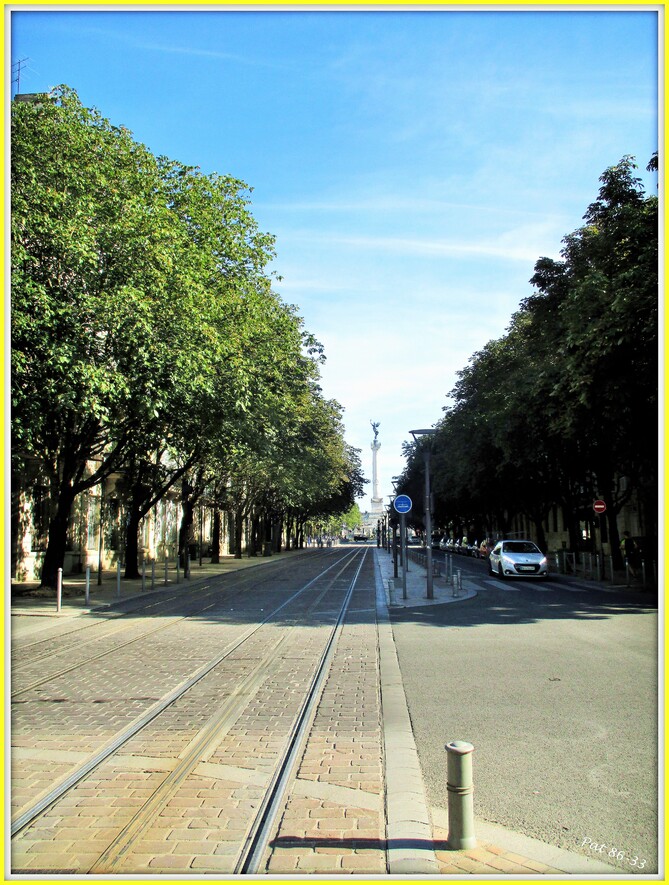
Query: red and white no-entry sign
point(599, 506)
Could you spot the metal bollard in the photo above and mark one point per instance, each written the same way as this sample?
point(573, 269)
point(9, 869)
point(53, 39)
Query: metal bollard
point(88, 584)
point(460, 787)
point(166, 566)
point(153, 574)
point(177, 568)
point(59, 589)
point(143, 575)
point(118, 578)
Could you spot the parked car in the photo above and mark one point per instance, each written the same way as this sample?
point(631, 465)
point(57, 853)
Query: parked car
point(517, 559)
point(414, 541)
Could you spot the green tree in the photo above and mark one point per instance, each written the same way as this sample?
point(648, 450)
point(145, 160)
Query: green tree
point(136, 286)
point(83, 203)
point(563, 408)
point(607, 286)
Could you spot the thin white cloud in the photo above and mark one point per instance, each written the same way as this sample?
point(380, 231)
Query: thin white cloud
point(505, 250)
point(194, 52)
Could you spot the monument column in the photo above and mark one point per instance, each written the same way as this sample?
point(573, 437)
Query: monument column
point(377, 502)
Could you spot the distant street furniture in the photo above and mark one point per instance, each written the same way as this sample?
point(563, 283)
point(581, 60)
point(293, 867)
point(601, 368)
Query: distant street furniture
point(427, 451)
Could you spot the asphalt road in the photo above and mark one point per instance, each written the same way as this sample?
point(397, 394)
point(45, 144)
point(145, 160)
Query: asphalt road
point(557, 691)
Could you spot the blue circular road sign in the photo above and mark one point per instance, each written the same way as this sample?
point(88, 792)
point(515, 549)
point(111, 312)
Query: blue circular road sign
point(402, 503)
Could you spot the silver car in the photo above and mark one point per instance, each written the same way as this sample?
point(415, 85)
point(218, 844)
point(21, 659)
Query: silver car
point(517, 559)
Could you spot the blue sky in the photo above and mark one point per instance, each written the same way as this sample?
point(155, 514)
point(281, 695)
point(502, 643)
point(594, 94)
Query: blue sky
point(413, 165)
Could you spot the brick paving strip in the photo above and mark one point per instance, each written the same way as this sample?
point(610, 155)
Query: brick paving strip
point(334, 818)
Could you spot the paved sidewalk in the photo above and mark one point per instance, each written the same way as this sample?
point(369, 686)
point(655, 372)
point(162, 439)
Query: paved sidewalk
point(416, 585)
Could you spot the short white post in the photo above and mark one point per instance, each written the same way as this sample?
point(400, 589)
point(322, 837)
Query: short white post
point(88, 584)
point(460, 786)
point(59, 589)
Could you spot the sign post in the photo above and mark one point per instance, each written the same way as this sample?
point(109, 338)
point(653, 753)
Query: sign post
point(599, 507)
point(402, 505)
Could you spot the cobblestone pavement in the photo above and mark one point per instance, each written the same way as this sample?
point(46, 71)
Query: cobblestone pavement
point(339, 817)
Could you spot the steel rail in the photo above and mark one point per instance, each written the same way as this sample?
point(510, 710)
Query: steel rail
point(262, 827)
point(119, 628)
point(177, 596)
point(84, 769)
point(217, 725)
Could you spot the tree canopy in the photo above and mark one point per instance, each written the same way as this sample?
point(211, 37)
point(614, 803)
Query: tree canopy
point(146, 336)
point(563, 408)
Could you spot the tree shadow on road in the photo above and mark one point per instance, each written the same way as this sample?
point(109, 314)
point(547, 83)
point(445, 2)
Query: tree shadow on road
point(499, 607)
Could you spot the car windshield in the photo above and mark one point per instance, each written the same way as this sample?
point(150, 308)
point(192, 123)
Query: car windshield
point(520, 547)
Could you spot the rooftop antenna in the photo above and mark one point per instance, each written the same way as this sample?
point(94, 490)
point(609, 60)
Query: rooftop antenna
point(17, 67)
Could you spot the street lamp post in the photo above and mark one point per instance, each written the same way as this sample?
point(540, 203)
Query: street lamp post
point(427, 451)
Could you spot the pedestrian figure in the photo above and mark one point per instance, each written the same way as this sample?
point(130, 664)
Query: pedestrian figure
point(630, 552)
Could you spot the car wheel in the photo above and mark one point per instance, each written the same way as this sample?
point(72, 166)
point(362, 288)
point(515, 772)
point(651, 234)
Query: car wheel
point(500, 572)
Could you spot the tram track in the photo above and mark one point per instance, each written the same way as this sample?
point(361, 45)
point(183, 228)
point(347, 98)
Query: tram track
point(114, 854)
point(161, 607)
point(264, 824)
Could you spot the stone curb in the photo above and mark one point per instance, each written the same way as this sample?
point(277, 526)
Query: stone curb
point(408, 828)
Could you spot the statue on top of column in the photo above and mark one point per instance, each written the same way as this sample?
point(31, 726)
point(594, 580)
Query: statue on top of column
point(375, 428)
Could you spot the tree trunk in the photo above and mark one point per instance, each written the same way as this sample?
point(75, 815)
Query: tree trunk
point(278, 535)
point(605, 484)
point(614, 537)
point(239, 528)
point(132, 543)
point(188, 506)
point(216, 537)
point(54, 558)
point(253, 540)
